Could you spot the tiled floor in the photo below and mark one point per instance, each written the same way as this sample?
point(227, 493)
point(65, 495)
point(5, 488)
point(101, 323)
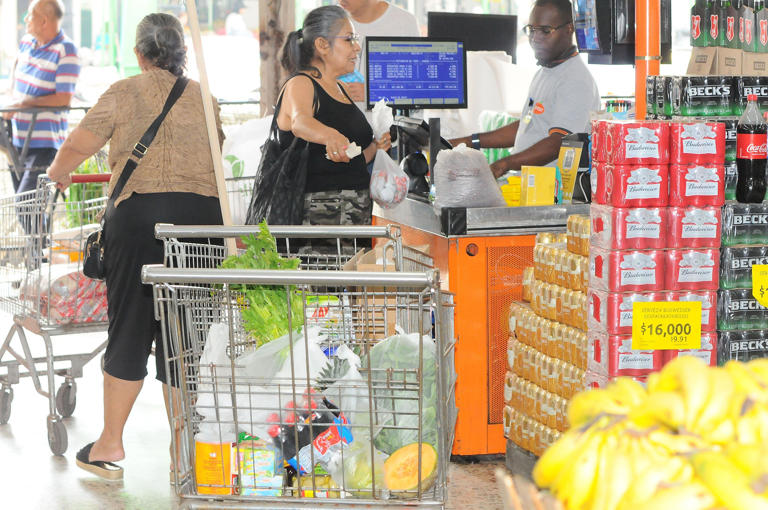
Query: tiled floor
point(32, 478)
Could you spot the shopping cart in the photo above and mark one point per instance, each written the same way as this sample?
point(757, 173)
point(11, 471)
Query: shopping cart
point(199, 246)
point(42, 287)
point(230, 405)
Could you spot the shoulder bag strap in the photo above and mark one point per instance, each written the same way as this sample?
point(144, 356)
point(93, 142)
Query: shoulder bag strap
point(315, 103)
point(140, 149)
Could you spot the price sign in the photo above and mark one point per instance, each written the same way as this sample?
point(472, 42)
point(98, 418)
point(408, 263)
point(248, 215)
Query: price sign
point(666, 325)
point(760, 284)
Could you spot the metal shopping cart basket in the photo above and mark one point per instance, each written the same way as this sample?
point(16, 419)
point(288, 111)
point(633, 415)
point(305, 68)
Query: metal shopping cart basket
point(377, 414)
point(42, 287)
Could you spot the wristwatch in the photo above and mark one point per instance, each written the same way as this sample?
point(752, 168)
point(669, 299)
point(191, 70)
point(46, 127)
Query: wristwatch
point(476, 141)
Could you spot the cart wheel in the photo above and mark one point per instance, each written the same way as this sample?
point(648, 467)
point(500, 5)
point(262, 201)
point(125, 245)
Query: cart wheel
point(6, 397)
point(66, 399)
point(57, 436)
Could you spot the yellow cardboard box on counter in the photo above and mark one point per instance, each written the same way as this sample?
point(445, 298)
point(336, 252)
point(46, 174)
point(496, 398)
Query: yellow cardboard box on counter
point(537, 186)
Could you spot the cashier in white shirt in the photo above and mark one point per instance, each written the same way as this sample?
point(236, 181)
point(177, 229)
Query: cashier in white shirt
point(560, 97)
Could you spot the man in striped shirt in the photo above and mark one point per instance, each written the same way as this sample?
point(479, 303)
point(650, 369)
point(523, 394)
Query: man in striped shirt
point(45, 75)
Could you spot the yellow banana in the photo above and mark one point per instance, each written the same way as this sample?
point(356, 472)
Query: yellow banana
point(648, 482)
point(627, 391)
point(558, 457)
point(608, 456)
point(587, 405)
point(759, 369)
point(688, 496)
point(718, 401)
point(695, 384)
point(727, 482)
point(744, 379)
point(666, 407)
point(676, 443)
point(664, 380)
point(575, 484)
point(620, 476)
point(750, 458)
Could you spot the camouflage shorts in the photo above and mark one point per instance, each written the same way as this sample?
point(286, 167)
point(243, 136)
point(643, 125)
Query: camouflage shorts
point(344, 207)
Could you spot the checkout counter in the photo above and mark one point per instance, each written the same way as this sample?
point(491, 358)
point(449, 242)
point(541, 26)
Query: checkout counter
point(481, 258)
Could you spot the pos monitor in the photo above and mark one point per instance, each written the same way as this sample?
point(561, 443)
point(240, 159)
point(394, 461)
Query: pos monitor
point(416, 72)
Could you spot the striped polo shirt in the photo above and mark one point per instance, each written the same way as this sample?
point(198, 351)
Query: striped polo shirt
point(41, 71)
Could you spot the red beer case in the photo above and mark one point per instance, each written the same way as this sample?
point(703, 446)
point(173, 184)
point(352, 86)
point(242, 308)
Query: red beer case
point(597, 182)
point(708, 301)
point(611, 312)
point(696, 185)
point(693, 269)
point(627, 271)
point(628, 229)
point(694, 227)
point(637, 143)
point(598, 140)
point(697, 143)
point(707, 353)
point(636, 186)
point(612, 356)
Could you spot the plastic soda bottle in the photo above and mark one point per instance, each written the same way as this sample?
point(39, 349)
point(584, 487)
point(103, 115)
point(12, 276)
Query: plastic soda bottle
point(751, 154)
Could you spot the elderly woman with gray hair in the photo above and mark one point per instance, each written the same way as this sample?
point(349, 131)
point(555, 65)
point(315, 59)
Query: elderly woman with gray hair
point(174, 182)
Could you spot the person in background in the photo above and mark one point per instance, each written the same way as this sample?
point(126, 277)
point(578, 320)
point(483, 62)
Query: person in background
point(316, 55)
point(45, 75)
point(235, 22)
point(374, 18)
point(560, 97)
point(173, 183)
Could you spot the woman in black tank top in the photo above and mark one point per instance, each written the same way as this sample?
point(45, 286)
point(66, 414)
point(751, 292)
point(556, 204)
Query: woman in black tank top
point(337, 179)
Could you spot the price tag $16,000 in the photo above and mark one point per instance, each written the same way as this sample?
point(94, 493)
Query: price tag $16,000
point(666, 325)
point(760, 284)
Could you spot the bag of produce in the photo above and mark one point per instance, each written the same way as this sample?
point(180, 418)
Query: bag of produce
point(463, 178)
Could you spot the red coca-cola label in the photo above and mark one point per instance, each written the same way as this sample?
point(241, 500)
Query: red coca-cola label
point(713, 26)
point(751, 146)
point(696, 26)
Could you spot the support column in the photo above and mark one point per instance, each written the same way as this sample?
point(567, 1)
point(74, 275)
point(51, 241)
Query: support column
point(276, 20)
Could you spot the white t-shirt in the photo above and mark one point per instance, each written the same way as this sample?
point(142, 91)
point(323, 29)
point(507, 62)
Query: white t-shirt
point(394, 22)
point(559, 100)
point(235, 25)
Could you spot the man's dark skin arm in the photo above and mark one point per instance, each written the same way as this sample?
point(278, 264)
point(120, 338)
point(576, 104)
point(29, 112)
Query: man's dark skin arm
point(500, 138)
point(541, 153)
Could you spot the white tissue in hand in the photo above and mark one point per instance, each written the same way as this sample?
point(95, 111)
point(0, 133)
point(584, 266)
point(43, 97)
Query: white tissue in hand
point(353, 150)
point(381, 119)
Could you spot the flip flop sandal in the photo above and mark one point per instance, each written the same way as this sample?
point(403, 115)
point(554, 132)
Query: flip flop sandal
point(101, 468)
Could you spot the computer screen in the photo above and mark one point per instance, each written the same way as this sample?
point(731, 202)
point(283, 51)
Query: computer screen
point(416, 72)
point(479, 32)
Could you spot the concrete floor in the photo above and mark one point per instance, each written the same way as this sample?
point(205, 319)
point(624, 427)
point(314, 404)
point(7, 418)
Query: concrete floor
point(32, 478)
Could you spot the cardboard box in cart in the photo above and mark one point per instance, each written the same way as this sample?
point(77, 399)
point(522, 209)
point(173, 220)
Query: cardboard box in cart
point(374, 312)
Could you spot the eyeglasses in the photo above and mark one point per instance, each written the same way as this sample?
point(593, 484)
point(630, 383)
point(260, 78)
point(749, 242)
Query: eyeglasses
point(351, 39)
point(545, 30)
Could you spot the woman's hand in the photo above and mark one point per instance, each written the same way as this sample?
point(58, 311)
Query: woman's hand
point(336, 147)
point(62, 182)
point(385, 142)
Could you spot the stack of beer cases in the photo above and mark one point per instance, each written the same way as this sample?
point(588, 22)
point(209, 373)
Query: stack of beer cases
point(657, 192)
point(547, 350)
point(742, 321)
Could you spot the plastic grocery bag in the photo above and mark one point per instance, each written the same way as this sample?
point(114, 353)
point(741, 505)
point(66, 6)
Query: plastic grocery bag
point(463, 178)
point(214, 403)
point(389, 183)
point(381, 119)
point(349, 392)
point(396, 399)
point(358, 471)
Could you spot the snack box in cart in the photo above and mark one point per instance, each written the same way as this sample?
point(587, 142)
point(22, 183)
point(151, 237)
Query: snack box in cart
point(611, 312)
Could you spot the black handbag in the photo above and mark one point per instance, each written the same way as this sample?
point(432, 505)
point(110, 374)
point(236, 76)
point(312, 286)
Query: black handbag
point(93, 251)
point(278, 189)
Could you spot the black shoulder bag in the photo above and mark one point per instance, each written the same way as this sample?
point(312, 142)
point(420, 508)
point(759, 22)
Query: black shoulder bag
point(93, 252)
point(278, 189)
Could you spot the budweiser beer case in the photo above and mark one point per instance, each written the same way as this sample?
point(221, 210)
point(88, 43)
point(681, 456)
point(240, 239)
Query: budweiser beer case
point(693, 269)
point(696, 185)
point(697, 143)
point(636, 143)
point(632, 186)
point(627, 271)
point(741, 345)
point(613, 356)
point(628, 229)
point(611, 312)
point(694, 227)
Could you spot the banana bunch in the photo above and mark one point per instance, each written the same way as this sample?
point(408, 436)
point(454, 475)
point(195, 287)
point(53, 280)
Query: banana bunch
point(696, 438)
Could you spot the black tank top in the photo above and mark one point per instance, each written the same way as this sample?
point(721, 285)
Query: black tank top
point(347, 119)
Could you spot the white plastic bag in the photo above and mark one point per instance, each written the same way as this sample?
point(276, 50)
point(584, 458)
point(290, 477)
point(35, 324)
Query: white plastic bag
point(463, 178)
point(381, 119)
point(389, 183)
point(214, 403)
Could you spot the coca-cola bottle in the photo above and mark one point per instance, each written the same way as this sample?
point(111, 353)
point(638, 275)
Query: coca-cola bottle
point(751, 154)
